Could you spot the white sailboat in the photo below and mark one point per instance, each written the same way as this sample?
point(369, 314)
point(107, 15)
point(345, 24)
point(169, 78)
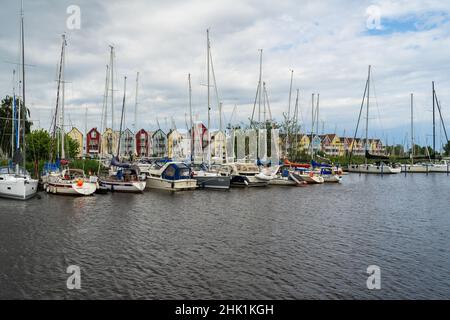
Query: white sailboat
point(16, 183)
point(68, 181)
point(203, 174)
point(127, 177)
point(381, 167)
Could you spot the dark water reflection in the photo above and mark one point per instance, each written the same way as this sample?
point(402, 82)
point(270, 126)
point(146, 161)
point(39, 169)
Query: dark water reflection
point(282, 243)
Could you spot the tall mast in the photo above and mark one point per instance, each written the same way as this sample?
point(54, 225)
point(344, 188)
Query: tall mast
point(317, 114)
point(63, 61)
point(289, 113)
point(290, 94)
point(105, 101)
point(136, 103)
point(412, 129)
point(13, 114)
point(260, 87)
point(111, 63)
point(121, 117)
point(209, 97)
point(191, 124)
point(23, 84)
point(367, 114)
point(434, 121)
point(312, 126)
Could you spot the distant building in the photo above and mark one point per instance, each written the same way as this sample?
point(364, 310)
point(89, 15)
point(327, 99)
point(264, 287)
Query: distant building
point(77, 136)
point(159, 144)
point(218, 147)
point(142, 143)
point(127, 143)
point(93, 143)
point(177, 145)
point(109, 142)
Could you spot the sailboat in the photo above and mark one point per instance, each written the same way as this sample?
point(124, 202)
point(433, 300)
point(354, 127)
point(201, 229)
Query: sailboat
point(382, 167)
point(16, 183)
point(203, 174)
point(66, 181)
point(127, 177)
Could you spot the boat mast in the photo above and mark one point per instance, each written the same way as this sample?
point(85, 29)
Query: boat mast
point(209, 97)
point(63, 61)
point(190, 118)
point(111, 63)
point(121, 117)
point(136, 103)
point(289, 114)
point(367, 116)
point(312, 126)
point(434, 121)
point(412, 129)
point(23, 86)
point(13, 114)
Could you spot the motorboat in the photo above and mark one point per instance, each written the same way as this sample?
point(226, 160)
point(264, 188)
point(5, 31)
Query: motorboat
point(210, 178)
point(246, 175)
point(172, 175)
point(125, 179)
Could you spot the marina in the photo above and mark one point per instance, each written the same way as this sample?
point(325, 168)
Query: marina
point(193, 162)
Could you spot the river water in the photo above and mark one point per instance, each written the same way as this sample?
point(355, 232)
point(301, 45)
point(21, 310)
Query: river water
point(312, 242)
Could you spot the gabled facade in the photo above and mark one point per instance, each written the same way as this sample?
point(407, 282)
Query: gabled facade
point(177, 148)
point(127, 143)
point(93, 143)
point(218, 147)
point(159, 144)
point(142, 143)
point(76, 135)
point(109, 142)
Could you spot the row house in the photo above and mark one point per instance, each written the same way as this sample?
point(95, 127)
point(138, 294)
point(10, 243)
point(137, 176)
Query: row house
point(127, 143)
point(178, 145)
point(109, 142)
point(93, 143)
point(159, 144)
point(142, 139)
point(77, 136)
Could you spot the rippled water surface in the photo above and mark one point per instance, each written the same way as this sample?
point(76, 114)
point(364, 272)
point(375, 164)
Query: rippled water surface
point(270, 243)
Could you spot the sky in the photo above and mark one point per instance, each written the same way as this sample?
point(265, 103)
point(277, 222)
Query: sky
point(328, 44)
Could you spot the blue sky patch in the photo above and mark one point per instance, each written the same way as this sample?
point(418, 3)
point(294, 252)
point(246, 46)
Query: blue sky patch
point(408, 23)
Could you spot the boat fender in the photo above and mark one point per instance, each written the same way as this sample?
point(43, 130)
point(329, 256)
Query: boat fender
point(311, 174)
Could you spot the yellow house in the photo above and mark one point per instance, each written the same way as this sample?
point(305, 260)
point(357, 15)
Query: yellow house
point(176, 145)
point(109, 142)
point(331, 144)
point(218, 146)
point(76, 135)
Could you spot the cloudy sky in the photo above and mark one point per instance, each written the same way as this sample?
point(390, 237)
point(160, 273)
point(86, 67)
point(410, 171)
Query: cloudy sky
point(328, 44)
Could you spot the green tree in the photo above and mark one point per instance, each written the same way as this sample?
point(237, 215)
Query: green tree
point(38, 145)
point(447, 148)
point(6, 115)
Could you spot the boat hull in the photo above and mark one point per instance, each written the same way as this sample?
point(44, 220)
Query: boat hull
point(171, 185)
point(71, 189)
point(314, 179)
point(248, 181)
point(213, 182)
point(383, 169)
point(18, 188)
point(122, 186)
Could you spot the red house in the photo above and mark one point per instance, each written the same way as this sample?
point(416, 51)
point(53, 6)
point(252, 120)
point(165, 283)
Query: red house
point(93, 142)
point(142, 143)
